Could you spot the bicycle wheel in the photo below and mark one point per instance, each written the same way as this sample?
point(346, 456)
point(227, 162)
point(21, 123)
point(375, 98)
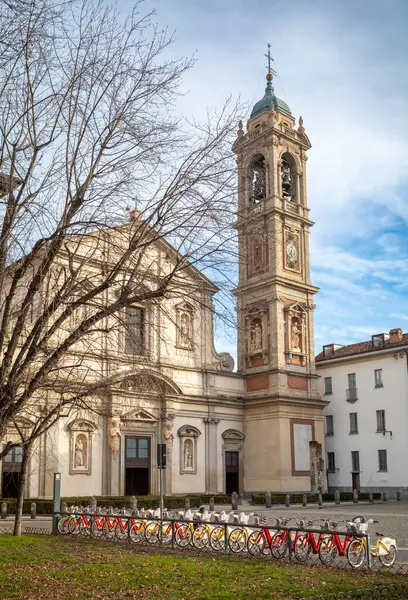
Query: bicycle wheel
point(257, 543)
point(183, 535)
point(356, 553)
point(97, 528)
point(109, 528)
point(122, 529)
point(217, 538)
point(63, 525)
point(328, 551)
point(237, 540)
point(279, 545)
point(167, 532)
point(151, 532)
point(137, 532)
point(74, 525)
point(389, 559)
point(84, 526)
point(201, 537)
point(302, 547)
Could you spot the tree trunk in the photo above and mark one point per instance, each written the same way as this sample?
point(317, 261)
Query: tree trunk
point(21, 489)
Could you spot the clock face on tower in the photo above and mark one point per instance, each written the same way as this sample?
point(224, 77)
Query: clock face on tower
point(292, 258)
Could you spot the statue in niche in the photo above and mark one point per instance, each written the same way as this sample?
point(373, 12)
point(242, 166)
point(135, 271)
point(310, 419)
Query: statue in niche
point(256, 338)
point(185, 330)
point(296, 336)
point(80, 452)
point(286, 181)
point(188, 454)
point(258, 182)
point(114, 434)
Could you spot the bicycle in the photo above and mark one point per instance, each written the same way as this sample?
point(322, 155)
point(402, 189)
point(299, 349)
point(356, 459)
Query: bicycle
point(280, 543)
point(238, 536)
point(385, 548)
point(332, 547)
point(306, 542)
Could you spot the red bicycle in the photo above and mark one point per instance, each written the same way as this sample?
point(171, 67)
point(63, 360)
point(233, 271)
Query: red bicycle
point(280, 540)
point(306, 542)
point(331, 545)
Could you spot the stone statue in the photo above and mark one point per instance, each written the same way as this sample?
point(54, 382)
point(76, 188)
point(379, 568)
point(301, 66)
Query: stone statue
point(79, 453)
point(188, 454)
point(296, 336)
point(258, 184)
point(114, 434)
point(256, 338)
point(286, 181)
point(168, 437)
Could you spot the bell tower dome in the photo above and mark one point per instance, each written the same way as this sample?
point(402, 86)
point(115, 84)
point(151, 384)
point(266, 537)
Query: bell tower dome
point(283, 411)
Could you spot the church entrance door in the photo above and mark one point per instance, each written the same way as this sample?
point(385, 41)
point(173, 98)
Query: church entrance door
point(137, 466)
point(231, 472)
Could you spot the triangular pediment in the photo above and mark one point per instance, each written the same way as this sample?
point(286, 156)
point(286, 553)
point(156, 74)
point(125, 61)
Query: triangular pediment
point(139, 414)
point(296, 307)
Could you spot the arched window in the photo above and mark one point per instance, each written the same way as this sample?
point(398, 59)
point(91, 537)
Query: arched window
point(288, 174)
point(257, 175)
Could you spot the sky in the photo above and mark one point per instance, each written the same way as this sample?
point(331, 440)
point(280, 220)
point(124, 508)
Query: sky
point(342, 66)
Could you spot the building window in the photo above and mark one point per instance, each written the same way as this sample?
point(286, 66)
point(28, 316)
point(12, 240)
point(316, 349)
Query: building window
point(331, 465)
point(382, 460)
point(328, 389)
point(135, 330)
point(351, 381)
point(378, 378)
point(381, 420)
point(329, 425)
point(353, 423)
point(355, 461)
point(15, 455)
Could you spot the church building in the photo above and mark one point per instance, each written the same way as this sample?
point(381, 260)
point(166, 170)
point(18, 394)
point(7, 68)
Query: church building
point(256, 428)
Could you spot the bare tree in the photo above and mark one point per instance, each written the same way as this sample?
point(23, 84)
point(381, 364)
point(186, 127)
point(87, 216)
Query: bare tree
point(88, 133)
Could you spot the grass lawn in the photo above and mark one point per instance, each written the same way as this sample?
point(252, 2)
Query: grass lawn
point(36, 567)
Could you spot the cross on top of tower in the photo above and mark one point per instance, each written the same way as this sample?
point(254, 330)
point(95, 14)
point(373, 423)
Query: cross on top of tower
point(271, 72)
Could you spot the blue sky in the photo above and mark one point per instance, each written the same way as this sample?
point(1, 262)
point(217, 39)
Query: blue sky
point(342, 66)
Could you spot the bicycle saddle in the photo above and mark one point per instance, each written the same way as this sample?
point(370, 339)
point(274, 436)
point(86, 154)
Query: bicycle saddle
point(379, 534)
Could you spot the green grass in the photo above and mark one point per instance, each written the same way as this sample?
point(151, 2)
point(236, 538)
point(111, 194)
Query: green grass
point(38, 567)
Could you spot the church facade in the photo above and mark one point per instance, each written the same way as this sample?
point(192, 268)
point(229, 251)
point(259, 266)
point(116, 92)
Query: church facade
point(257, 428)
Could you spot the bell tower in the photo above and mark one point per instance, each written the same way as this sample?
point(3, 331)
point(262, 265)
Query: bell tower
point(283, 411)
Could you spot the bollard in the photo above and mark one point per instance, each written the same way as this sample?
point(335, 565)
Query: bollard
point(268, 499)
point(337, 497)
point(187, 504)
point(385, 496)
point(92, 504)
point(64, 507)
point(355, 496)
point(370, 497)
point(33, 510)
point(399, 496)
point(304, 500)
point(212, 507)
point(4, 510)
point(320, 500)
point(234, 501)
point(133, 503)
point(287, 501)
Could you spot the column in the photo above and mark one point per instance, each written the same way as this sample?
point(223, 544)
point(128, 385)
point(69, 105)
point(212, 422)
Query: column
point(211, 454)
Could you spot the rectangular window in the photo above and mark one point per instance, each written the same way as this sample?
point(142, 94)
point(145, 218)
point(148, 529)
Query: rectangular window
point(328, 389)
point(351, 381)
point(329, 425)
point(382, 460)
point(355, 461)
point(142, 448)
point(130, 448)
point(380, 420)
point(353, 423)
point(134, 330)
point(331, 465)
point(378, 378)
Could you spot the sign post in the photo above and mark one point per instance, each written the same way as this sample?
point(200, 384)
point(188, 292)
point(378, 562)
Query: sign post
point(161, 464)
point(56, 501)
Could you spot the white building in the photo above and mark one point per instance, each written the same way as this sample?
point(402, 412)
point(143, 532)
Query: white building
point(366, 420)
